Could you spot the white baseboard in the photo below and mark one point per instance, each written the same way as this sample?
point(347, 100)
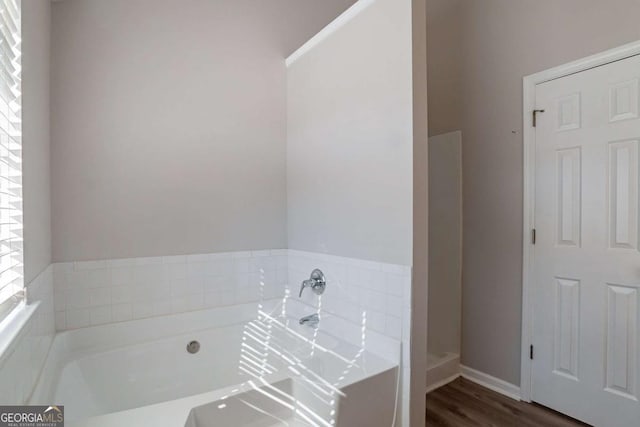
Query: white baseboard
point(492, 383)
point(442, 372)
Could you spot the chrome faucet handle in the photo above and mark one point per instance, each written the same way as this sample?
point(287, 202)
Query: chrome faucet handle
point(316, 282)
point(305, 284)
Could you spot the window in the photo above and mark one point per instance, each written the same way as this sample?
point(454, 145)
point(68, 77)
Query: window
point(11, 248)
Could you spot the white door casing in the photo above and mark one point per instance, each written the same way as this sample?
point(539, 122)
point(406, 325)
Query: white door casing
point(585, 275)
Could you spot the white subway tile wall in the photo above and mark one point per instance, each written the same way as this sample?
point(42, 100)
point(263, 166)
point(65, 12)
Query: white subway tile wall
point(22, 360)
point(98, 292)
point(380, 291)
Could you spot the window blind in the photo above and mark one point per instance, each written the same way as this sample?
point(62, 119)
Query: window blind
point(11, 244)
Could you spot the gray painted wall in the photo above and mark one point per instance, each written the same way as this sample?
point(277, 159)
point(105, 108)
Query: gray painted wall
point(500, 42)
point(168, 124)
point(36, 24)
point(444, 39)
point(349, 153)
point(445, 243)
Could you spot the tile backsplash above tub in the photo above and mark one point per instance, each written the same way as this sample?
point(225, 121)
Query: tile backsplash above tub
point(98, 292)
point(357, 290)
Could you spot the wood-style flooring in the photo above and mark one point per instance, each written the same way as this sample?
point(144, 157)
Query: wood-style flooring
point(463, 403)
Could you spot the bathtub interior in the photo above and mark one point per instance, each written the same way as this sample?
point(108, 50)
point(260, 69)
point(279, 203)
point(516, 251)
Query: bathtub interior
point(264, 406)
point(147, 373)
point(120, 367)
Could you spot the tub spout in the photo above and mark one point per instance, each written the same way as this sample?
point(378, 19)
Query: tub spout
point(311, 320)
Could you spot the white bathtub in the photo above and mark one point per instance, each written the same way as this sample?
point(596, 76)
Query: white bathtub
point(139, 373)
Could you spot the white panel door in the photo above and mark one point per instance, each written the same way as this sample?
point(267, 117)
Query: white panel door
point(587, 264)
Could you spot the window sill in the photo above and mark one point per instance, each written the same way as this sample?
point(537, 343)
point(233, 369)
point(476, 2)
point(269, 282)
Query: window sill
point(13, 326)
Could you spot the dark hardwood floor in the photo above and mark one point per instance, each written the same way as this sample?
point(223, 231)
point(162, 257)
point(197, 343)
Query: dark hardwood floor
point(466, 404)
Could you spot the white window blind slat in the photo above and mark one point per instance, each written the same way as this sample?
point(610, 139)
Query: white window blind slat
point(11, 245)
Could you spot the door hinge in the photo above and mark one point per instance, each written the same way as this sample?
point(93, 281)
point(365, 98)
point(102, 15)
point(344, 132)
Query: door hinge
point(533, 236)
point(535, 117)
point(531, 352)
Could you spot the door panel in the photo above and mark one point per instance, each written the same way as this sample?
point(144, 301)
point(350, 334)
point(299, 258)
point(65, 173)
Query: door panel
point(587, 263)
point(623, 195)
point(622, 338)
